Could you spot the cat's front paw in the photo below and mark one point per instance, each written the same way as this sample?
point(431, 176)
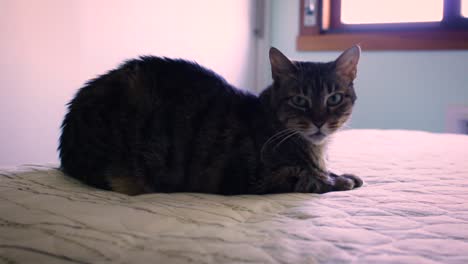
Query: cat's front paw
point(357, 181)
point(346, 182)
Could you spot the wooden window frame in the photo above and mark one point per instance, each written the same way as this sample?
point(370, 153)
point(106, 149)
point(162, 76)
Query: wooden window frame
point(329, 33)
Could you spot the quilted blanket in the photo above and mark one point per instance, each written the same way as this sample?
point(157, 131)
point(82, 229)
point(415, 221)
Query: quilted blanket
point(413, 208)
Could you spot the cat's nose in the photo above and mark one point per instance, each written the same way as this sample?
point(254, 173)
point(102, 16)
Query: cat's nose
point(319, 124)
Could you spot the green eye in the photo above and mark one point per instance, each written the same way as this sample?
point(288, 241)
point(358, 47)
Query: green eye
point(335, 99)
point(299, 101)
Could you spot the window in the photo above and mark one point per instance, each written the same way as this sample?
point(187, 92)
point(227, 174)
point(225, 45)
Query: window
point(464, 8)
point(387, 11)
point(383, 24)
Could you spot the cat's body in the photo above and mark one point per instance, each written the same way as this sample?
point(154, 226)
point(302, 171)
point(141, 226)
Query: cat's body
point(163, 125)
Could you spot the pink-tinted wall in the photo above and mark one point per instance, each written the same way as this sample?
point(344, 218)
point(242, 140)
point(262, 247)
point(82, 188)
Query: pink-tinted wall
point(48, 48)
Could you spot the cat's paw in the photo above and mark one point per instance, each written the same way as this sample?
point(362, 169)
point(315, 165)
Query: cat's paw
point(346, 182)
point(357, 181)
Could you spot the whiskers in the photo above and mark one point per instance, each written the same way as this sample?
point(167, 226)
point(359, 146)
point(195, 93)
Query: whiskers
point(339, 125)
point(280, 138)
point(286, 138)
point(346, 125)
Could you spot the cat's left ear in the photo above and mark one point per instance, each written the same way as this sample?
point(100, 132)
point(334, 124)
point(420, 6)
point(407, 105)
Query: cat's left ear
point(346, 64)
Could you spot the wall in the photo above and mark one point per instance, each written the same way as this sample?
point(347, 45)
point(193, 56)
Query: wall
point(396, 90)
point(50, 47)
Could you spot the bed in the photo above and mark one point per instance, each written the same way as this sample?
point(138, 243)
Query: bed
point(413, 208)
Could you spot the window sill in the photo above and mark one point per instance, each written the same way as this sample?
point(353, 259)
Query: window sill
point(418, 40)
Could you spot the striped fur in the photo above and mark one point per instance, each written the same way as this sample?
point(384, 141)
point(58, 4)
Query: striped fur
point(163, 125)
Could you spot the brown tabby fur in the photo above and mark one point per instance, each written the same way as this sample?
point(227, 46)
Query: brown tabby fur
point(162, 125)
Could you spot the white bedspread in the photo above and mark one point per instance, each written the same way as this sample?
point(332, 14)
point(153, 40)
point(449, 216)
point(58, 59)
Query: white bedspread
point(413, 208)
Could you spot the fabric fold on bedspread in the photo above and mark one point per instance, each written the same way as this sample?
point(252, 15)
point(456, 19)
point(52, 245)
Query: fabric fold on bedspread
point(413, 208)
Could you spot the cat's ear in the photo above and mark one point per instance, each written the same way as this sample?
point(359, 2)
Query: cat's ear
point(346, 64)
point(280, 65)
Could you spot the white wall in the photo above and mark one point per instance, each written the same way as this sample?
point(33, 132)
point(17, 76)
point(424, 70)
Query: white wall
point(396, 89)
point(48, 48)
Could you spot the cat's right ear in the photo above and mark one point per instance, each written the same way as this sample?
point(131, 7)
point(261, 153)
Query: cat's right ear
point(281, 66)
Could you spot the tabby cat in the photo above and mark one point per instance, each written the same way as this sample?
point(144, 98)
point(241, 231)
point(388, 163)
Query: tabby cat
point(168, 125)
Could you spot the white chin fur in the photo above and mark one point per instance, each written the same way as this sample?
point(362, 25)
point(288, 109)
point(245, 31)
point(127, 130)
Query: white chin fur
point(315, 139)
point(318, 141)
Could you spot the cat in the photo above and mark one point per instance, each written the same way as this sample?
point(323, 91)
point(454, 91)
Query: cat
point(168, 125)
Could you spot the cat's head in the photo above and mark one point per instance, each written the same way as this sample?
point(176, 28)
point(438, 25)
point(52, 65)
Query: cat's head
point(315, 99)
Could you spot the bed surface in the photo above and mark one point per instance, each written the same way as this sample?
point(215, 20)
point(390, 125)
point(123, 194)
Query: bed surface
point(413, 208)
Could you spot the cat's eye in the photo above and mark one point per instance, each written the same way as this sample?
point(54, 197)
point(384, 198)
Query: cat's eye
point(335, 99)
point(299, 102)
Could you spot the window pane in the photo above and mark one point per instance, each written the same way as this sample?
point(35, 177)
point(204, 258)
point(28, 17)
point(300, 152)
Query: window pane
point(391, 11)
point(464, 8)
